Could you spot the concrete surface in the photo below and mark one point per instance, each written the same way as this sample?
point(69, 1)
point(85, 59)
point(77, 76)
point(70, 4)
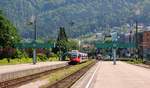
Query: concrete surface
point(9, 72)
point(85, 79)
point(35, 84)
point(122, 75)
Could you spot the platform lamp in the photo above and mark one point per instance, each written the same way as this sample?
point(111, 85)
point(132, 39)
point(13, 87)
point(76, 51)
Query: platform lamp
point(137, 13)
point(33, 21)
point(114, 40)
point(130, 41)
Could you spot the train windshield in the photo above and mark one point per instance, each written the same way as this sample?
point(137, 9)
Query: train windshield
point(73, 55)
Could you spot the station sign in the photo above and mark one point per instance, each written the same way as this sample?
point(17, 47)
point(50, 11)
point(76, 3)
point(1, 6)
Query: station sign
point(34, 45)
point(115, 45)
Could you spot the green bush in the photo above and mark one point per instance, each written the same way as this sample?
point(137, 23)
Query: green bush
point(54, 55)
point(41, 57)
point(15, 61)
point(19, 54)
point(135, 61)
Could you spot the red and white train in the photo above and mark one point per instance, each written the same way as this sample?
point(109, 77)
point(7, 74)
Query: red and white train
point(77, 57)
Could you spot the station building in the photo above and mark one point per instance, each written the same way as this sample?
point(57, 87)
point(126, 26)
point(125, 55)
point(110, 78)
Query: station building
point(144, 45)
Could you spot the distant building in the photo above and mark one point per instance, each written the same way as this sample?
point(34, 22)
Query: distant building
point(121, 38)
point(87, 46)
point(126, 38)
point(144, 44)
point(148, 28)
point(100, 36)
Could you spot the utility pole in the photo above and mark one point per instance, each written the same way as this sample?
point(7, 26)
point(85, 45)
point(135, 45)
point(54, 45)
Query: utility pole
point(114, 56)
point(137, 14)
point(114, 40)
point(130, 41)
point(35, 38)
point(59, 50)
point(136, 37)
point(33, 21)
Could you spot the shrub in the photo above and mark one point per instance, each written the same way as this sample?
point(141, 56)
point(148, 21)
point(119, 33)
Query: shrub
point(19, 54)
point(41, 57)
point(136, 61)
point(4, 61)
point(54, 55)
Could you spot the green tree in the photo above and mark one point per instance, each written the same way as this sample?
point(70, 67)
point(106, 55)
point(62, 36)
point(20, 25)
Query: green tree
point(61, 44)
point(72, 45)
point(51, 41)
point(62, 35)
point(8, 37)
point(62, 40)
point(8, 33)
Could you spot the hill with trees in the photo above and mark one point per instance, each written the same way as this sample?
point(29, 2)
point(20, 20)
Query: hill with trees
point(78, 17)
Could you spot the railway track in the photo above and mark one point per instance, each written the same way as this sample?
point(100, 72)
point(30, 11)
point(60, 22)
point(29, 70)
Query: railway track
point(71, 79)
point(64, 83)
point(24, 80)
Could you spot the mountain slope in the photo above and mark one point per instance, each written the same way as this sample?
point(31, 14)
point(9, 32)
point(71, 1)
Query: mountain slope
point(79, 17)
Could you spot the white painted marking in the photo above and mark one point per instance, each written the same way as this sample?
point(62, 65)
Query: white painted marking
point(89, 82)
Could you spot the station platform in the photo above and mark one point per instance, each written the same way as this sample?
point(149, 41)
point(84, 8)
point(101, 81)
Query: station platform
point(122, 75)
point(9, 72)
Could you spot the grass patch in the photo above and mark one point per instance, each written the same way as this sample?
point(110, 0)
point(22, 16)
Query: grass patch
point(23, 60)
point(134, 61)
point(61, 74)
point(54, 59)
point(15, 61)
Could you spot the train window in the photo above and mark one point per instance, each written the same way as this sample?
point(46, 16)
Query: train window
point(74, 55)
point(79, 56)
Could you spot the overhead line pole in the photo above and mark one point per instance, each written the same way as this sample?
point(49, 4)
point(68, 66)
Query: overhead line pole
point(35, 38)
point(136, 36)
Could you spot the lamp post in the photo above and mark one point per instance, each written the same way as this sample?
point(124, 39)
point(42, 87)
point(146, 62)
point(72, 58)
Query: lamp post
point(130, 41)
point(114, 39)
point(33, 22)
point(35, 38)
point(136, 37)
point(137, 13)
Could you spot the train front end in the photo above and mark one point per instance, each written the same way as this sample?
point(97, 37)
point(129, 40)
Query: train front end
point(75, 58)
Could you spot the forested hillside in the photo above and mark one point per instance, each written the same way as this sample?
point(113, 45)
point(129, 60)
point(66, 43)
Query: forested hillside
point(79, 17)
